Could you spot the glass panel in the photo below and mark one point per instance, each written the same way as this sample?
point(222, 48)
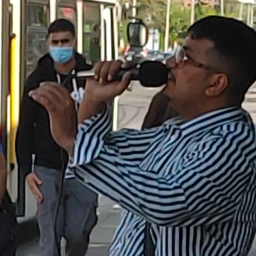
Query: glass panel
point(68, 13)
point(37, 15)
point(36, 48)
point(36, 34)
point(91, 40)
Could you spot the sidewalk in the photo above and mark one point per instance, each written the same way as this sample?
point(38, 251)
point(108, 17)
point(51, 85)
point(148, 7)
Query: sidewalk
point(103, 233)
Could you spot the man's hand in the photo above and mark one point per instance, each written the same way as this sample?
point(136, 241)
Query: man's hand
point(101, 89)
point(61, 108)
point(33, 182)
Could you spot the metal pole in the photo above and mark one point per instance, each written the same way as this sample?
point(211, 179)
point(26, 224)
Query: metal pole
point(241, 11)
point(222, 7)
point(248, 14)
point(153, 43)
point(192, 13)
point(252, 16)
point(167, 25)
point(134, 9)
point(116, 99)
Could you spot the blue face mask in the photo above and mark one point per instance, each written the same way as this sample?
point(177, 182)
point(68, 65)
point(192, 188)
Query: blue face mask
point(61, 54)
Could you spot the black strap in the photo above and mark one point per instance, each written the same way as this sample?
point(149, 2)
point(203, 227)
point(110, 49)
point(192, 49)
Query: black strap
point(148, 242)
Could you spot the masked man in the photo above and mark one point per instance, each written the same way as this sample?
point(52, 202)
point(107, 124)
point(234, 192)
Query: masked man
point(43, 162)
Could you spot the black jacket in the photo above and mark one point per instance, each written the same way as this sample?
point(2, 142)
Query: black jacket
point(33, 134)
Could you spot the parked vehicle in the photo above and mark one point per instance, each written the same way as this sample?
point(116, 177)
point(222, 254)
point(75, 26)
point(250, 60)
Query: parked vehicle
point(132, 53)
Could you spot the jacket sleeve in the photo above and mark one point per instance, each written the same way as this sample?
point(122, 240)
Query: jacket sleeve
point(27, 119)
point(156, 113)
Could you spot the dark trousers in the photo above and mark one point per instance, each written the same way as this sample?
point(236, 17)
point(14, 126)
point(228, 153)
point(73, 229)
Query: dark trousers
point(9, 248)
point(77, 214)
point(8, 232)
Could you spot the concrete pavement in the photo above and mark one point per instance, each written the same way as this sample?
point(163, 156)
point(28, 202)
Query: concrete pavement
point(104, 232)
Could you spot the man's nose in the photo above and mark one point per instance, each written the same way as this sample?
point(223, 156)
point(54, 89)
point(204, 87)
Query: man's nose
point(60, 44)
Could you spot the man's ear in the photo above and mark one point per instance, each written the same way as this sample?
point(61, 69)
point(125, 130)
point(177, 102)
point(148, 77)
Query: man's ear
point(218, 84)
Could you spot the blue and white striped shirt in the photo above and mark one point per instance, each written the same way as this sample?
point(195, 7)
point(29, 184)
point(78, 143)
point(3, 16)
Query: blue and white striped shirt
point(194, 181)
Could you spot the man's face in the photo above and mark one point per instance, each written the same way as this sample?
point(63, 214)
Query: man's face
point(62, 39)
point(195, 80)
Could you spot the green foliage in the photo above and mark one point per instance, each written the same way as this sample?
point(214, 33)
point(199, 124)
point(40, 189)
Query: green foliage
point(122, 31)
point(153, 13)
point(202, 11)
point(179, 23)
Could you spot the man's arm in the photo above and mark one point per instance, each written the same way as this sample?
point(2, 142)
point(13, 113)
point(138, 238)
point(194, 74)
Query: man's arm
point(202, 188)
point(100, 126)
point(24, 137)
point(3, 175)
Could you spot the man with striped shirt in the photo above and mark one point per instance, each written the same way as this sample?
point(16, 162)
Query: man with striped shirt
point(194, 177)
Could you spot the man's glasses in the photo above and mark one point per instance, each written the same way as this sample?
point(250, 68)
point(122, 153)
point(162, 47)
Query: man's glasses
point(180, 58)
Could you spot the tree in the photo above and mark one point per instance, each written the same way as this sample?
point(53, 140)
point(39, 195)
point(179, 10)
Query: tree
point(202, 11)
point(153, 13)
point(179, 22)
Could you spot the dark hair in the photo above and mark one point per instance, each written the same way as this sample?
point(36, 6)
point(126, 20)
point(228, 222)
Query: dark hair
point(61, 25)
point(235, 49)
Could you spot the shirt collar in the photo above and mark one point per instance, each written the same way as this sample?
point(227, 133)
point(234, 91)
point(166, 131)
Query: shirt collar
point(211, 120)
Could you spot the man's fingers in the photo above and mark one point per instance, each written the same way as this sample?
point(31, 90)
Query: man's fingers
point(97, 69)
point(123, 85)
point(104, 73)
point(51, 97)
point(53, 88)
point(58, 91)
point(49, 104)
point(33, 183)
point(114, 67)
point(37, 194)
point(37, 180)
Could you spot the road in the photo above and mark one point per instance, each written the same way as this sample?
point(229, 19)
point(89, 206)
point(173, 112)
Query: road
point(132, 108)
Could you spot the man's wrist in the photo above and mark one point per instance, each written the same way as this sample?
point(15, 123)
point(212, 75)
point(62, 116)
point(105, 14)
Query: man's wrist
point(88, 108)
point(93, 104)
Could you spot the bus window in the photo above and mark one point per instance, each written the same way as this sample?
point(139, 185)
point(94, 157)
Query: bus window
point(91, 39)
point(68, 13)
point(37, 15)
point(37, 22)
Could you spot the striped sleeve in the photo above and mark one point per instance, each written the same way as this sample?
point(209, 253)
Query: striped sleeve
point(91, 134)
point(204, 187)
point(94, 133)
